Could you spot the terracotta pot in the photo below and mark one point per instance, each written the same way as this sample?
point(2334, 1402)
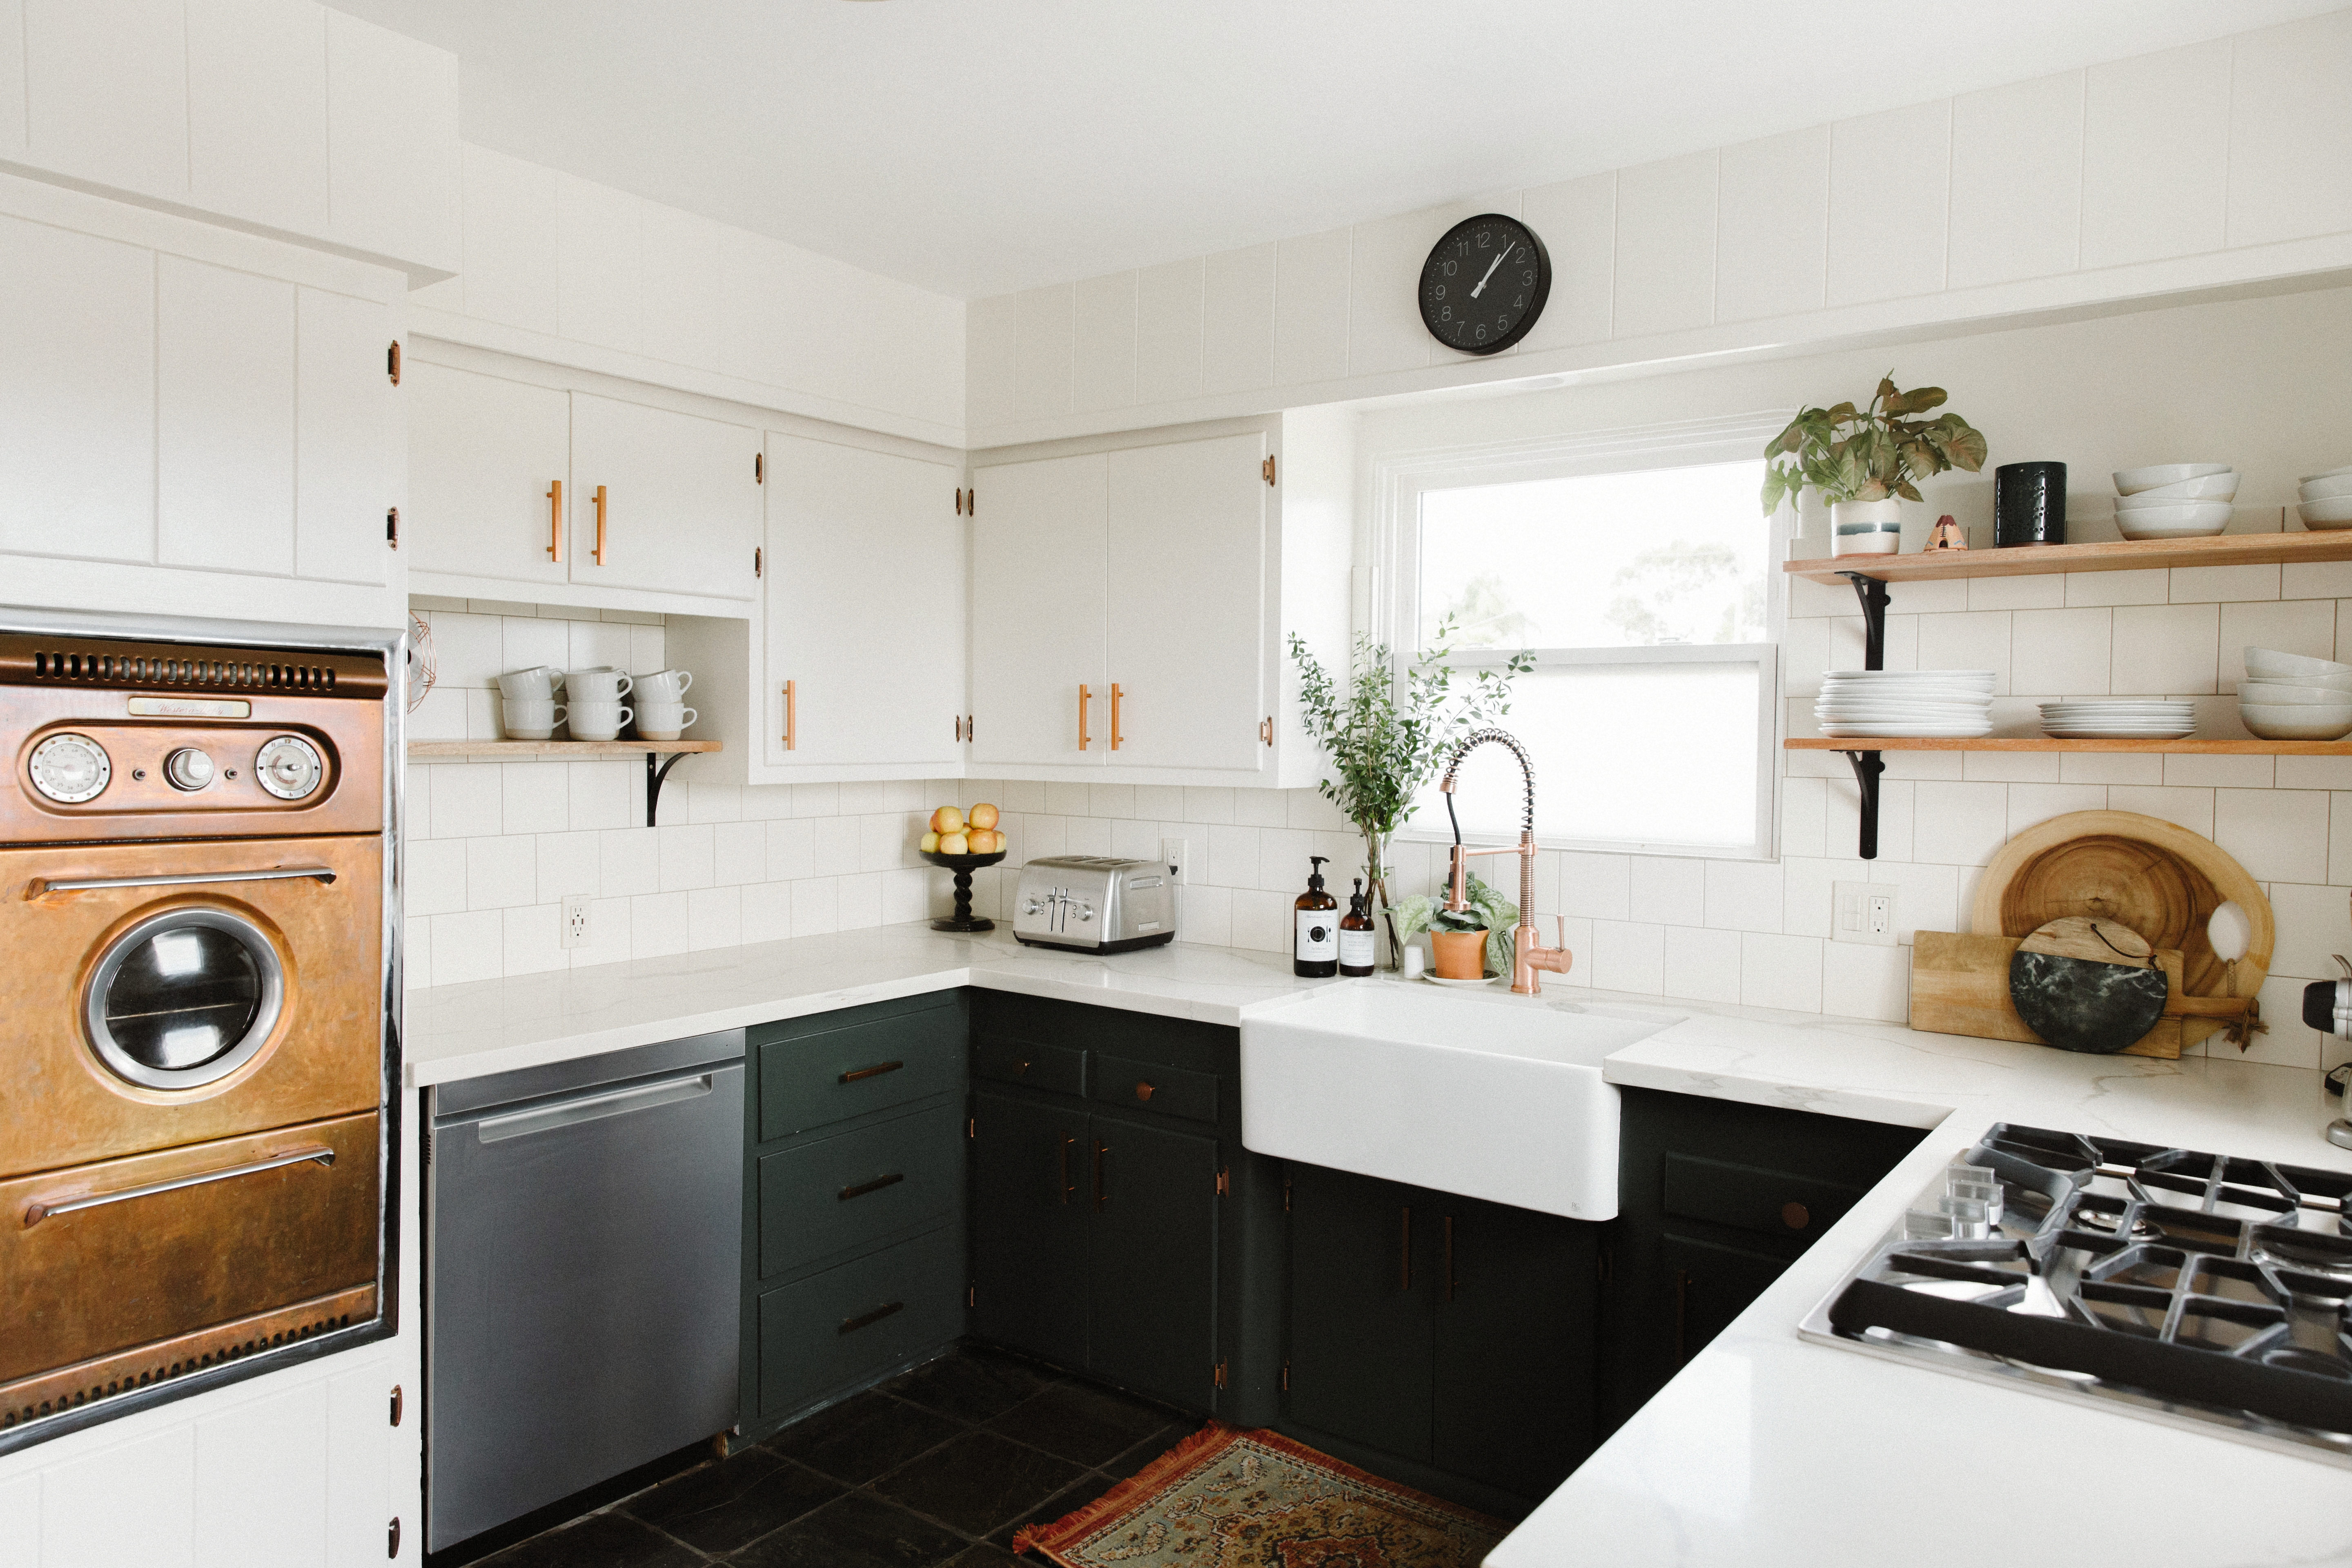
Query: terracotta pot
point(1458, 955)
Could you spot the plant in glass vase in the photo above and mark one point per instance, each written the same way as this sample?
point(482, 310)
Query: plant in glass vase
point(1864, 460)
point(1387, 731)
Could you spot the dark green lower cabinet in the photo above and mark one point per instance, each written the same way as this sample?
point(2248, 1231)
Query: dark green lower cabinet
point(1701, 1285)
point(1442, 1330)
point(830, 1330)
point(1031, 1213)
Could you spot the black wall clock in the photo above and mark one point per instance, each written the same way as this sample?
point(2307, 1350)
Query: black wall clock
point(1485, 284)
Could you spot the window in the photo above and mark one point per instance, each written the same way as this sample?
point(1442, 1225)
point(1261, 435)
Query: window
point(1637, 569)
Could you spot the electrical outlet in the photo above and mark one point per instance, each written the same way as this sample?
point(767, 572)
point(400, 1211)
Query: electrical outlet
point(576, 921)
point(1863, 912)
point(1177, 855)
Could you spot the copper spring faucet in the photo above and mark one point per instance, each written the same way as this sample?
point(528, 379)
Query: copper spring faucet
point(1529, 956)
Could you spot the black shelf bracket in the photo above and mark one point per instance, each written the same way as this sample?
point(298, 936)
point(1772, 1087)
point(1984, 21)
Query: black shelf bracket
point(1869, 765)
point(657, 773)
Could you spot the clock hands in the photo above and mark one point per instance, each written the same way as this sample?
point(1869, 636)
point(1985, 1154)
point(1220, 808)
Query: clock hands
point(1480, 287)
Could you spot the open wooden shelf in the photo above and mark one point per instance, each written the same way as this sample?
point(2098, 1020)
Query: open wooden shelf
point(578, 750)
point(2109, 555)
point(2044, 744)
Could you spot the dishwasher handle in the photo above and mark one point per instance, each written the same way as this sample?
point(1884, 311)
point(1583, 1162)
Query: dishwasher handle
point(593, 1107)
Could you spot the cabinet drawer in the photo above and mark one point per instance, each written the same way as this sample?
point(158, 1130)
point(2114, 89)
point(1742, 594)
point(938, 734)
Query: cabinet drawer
point(825, 1332)
point(1061, 1068)
point(1145, 1086)
point(1749, 1197)
point(808, 1081)
point(820, 1198)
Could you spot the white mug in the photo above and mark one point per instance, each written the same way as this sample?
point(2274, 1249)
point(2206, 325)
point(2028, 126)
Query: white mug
point(602, 684)
point(538, 683)
point(664, 720)
point(599, 720)
point(531, 718)
point(667, 685)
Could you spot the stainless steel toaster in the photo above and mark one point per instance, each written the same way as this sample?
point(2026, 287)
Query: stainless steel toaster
point(1095, 903)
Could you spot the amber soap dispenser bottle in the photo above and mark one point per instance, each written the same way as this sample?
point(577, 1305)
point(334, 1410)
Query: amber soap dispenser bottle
point(1357, 946)
point(1316, 955)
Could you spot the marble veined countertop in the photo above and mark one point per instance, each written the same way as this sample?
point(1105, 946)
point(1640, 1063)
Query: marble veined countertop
point(1767, 1449)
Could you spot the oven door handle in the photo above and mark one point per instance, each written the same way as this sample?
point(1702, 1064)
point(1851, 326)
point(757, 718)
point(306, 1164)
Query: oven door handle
point(39, 1212)
point(193, 878)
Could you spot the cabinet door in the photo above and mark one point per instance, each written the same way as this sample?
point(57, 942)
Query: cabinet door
point(346, 420)
point(483, 453)
point(681, 501)
point(1700, 1287)
point(1038, 612)
point(1030, 1213)
point(1517, 1300)
point(224, 418)
point(1361, 1333)
point(874, 650)
point(1186, 560)
point(1154, 1274)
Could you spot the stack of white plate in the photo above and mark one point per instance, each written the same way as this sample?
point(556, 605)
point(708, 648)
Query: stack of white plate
point(1906, 703)
point(2325, 499)
point(2294, 696)
point(2175, 501)
point(2119, 718)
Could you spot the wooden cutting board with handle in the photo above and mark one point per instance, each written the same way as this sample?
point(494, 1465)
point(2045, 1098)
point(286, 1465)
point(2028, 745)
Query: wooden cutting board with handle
point(1960, 986)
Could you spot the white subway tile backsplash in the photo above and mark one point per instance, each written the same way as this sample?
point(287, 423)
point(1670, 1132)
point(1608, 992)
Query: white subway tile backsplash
point(1744, 895)
point(568, 863)
point(435, 875)
point(766, 910)
point(536, 798)
point(500, 873)
point(1858, 980)
point(2166, 650)
point(470, 946)
point(1628, 956)
point(1702, 964)
point(2277, 835)
point(1957, 823)
point(1780, 971)
point(1669, 890)
point(2200, 771)
point(2307, 626)
point(2030, 804)
point(529, 940)
point(739, 852)
point(2192, 808)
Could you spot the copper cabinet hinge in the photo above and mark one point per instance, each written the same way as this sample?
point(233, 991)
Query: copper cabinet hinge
point(759, 561)
point(1224, 1180)
point(396, 1403)
point(971, 1295)
point(971, 503)
point(1266, 731)
point(758, 468)
point(1286, 1194)
point(392, 527)
point(1286, 1375)
point(392, 361)
point(392, 1539)
point(971, 1126)
point(959, 495)
point(1220, 1375)
point(1266, 469)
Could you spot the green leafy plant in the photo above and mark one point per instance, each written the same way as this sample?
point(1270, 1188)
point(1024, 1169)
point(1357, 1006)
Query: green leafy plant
point(1386, 732)
point(1871, 452)
point(1489, 911)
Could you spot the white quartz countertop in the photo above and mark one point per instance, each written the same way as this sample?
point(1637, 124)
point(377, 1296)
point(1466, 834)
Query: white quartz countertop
point(1767, 1448)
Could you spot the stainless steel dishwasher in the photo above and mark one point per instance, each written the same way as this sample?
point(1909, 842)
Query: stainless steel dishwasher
point(585, 1275)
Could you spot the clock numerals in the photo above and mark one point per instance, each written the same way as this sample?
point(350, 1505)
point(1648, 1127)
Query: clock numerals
point(1484, 285)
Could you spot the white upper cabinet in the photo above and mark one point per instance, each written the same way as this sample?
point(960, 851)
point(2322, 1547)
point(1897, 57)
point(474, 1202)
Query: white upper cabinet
point(346, 439)
point(106, 87)
point(393, 184)
point(488, 461)
point(1038, 608)
point(663, 501)
point(257, 111)
point(224, 418)
point(863, 609)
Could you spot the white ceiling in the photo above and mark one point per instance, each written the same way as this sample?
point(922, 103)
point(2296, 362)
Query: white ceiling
point(980, 146)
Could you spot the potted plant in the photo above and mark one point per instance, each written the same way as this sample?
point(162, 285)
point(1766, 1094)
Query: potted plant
point(1388, 732)
point(1863, 460)
point(1490, 917)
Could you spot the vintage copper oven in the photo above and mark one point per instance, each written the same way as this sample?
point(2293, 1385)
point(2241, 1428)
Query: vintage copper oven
point(198, 1006)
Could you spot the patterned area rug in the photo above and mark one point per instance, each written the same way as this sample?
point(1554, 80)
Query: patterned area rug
point(1226, 1498)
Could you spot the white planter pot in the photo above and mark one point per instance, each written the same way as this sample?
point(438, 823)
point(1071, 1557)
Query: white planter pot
point(1867, 527)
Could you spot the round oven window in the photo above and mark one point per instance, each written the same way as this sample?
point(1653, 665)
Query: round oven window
point(184, 998)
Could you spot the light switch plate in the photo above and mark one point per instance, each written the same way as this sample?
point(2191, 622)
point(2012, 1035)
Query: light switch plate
point(1862, 913)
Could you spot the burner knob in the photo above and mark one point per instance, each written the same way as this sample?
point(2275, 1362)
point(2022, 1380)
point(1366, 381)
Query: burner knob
point(69, 768)
point(289, 767)
point(188, 768)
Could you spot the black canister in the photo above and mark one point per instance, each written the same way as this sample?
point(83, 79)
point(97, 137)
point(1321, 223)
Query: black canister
point(2029, 504)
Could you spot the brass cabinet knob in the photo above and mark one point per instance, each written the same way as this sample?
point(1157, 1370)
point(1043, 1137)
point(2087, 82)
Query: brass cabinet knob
point(1144, 1090)
point(1796, 1216)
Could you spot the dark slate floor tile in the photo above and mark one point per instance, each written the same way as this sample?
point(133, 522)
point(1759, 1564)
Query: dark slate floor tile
point(973, 1384)
point(1083, 1423)
point(987, 1556)
point(853, 1531)
point(732, 1503)
point(1151, 1448)
point(978, 1481)
point(860, 1438)
point(1068, 1500)
point(600, 1541)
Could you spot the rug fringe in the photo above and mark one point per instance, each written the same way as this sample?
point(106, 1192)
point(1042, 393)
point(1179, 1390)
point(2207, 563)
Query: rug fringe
point(1184, 1456)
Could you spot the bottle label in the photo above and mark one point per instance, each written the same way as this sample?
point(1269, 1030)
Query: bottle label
point(1318, 935)
point(1356, 949)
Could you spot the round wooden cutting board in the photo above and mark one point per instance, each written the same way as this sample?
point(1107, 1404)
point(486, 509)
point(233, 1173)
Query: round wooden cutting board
point(2155, 877)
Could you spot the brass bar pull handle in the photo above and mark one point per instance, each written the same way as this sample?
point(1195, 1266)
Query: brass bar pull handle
point(555, 520)
point(792, 717)
point(1102, 1192)
point(1681, 1315)
point(867, 1319)
point(876, 1186)
point(35, 1214)
point(1069, 1186)
point(1084, 696)
point(1404, 1251)
point(35, 888)
point(599, 550)
point(875, 1071)
point(1117, 698)
point(1448, 1231)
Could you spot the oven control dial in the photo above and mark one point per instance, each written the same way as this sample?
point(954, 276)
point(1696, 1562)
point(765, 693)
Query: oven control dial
point(289, 767)
point(70, 768)
point(188, 768)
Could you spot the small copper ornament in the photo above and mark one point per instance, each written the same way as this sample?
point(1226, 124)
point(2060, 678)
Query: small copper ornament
point(1947, 534)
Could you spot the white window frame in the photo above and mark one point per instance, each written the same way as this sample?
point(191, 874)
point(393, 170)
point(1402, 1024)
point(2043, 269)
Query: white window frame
point(1401, 478)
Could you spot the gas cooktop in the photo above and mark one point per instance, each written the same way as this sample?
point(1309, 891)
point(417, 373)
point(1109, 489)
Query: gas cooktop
point(2182, 1286)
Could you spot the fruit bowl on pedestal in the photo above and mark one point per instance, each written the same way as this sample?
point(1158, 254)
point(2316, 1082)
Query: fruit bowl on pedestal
point(963, 865)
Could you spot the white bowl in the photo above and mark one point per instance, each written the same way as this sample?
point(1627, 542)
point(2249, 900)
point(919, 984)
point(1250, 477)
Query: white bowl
point(2301, 668)
point(2172, 519)
point(2327, 488)
point(2334, 513)
point(2212, 487)
point(2297, 721)
point(2284, 693)
point(2328, 473)
point(2131, 482)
